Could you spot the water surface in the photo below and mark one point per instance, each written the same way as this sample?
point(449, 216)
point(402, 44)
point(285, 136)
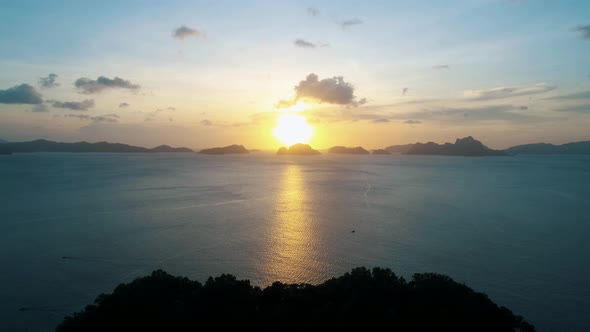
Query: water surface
point(516, 228)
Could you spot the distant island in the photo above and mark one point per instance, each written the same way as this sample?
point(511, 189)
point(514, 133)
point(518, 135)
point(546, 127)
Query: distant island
point(361, 300)
point(467, 146)
point(230, 149)
point(42, 145)
point(347, 150)
point(381, 151)
point(298, 149)
point(4, 151)
point(399, 149)
point(545, 148)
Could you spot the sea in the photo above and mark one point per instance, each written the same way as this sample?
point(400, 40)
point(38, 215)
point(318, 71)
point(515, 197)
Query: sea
point(73, 226)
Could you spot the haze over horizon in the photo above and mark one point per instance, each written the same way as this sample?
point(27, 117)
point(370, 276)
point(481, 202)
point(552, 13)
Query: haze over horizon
point(262, 73)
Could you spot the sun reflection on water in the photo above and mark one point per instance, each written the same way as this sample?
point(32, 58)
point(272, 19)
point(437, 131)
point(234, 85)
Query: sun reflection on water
point(292, 255)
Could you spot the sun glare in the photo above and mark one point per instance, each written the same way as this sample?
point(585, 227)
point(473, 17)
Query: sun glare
point(299, 107)
point(292, 129)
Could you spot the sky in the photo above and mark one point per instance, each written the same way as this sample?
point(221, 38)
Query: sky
point(370, 73)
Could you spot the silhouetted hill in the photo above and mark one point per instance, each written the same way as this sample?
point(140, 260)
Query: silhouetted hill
point(167, 148)
point(399, 148)
point(230, 149)
point(362, 300)
point(467, 146)
point(42, 145)
point(545, 148)
point(298, 149)
point(4, 150)
point(381, 151)
point(346, 150)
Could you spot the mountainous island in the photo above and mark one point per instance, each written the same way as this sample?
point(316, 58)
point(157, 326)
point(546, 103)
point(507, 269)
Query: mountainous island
point(230, 149)
point(360, 300)
point(42, 145)
point(347, 150)
point(399, 149)
point(298, 149)
point(545, 148)
point(467, 146)
point(381, 151)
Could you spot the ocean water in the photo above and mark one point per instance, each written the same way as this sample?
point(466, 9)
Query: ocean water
point(516, 228)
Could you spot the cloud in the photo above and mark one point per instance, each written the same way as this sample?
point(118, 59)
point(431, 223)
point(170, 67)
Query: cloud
point(185, 32)
point(160, 110)
point(20, 94)
point(583, 109)
point(458, 115)
point(350, 22)
point(412, 122)
point(41, 108)
point(75, 105)
point(404, 91)
point(285, 103)
point(123, 105)
point(447, 115)
point(572, 96)
point(304, 44)
point(312, 11)
point(110, 118)
point(49, 81)
point(88, 86)
point(153, 114)
point(441, 67)
point(505, 92)
point(206, 123)
point(584, 30)
point(328, 90)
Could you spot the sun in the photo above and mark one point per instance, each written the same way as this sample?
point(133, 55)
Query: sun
point(291, 127)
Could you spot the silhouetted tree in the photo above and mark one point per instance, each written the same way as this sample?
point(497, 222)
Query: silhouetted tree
point(361, 299)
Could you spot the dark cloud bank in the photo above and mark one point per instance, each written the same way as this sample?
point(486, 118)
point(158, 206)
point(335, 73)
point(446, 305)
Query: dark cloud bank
point(186, 32)
point(74, 105)
point(584, 30)
point(49, 81)
point(89, 86)
point(21, 94)
point(332, 90)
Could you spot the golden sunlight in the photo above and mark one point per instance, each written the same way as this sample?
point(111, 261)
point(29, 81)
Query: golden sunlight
point(293, 128)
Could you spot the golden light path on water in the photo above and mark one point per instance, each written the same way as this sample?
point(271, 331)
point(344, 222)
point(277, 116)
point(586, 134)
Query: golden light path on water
point(292, 253)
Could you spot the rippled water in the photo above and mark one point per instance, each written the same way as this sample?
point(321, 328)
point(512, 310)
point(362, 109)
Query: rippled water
point(516, 228)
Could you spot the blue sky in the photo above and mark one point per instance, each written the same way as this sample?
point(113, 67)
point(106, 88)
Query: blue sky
point(221, 84)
